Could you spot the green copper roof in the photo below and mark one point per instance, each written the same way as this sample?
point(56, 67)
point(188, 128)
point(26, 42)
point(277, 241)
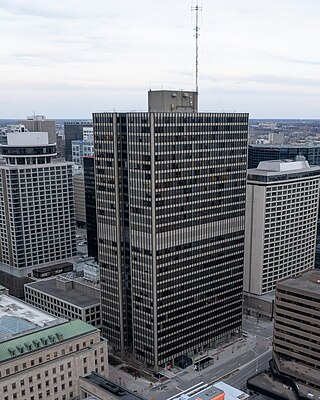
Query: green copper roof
point(2, 288)
point(43, 338)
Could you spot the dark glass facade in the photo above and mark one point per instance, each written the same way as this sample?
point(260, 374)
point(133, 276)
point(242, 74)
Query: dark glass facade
point(257, 153)
point(73, 130)
point(90, 200)
point(170, 192)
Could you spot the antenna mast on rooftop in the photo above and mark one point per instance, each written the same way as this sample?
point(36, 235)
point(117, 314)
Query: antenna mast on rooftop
point(196, 9)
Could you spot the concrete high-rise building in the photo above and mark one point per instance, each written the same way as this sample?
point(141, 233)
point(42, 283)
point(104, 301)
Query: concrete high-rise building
point(37, 225)
point(257, 153)
point(39, 123)
point(281, 222)
point(170, 195)
point(296, 346)
point(74, 130)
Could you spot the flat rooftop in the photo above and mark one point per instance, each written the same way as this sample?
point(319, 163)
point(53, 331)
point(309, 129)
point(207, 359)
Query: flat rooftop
point(278, 170)
point(208, 393)
point(217, 391)
point(110, 387)
point(18, 317)
point(70, 294)
point(308, 281)
point(284, 146)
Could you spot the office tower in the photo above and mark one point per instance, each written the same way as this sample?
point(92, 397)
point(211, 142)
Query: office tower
point(39, 123)
point(81, 149)
point(37, 224)
point(268, 152)
point(79, 198)
point(281, 222)
point(170, 195)
point(296, 346)
point(90, 201)
point(73, 130)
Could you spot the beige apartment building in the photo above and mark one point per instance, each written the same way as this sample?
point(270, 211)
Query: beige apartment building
point(48, 363)
point(296, 344)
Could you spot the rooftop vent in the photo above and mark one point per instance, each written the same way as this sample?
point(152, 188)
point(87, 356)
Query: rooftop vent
point(52, 338)
point(44, 340)
point(20, 349)
point(12, 351)
point(28, 346)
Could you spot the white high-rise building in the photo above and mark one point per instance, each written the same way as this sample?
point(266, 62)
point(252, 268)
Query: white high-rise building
point(37, 220)
point(281, 222)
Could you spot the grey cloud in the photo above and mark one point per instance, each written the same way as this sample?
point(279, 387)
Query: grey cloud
point(283, 80)
point(48, 9)
point(288, 59)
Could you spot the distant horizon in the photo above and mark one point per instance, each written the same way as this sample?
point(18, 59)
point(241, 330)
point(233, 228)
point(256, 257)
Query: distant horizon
point(223, 112)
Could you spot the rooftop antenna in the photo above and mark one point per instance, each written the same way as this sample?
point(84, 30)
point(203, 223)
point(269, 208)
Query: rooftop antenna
point(197, 8)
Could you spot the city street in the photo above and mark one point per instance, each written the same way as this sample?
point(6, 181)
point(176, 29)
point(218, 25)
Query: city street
point(234, 363)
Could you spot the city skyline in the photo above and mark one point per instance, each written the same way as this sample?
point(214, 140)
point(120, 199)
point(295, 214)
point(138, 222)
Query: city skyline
point(69, 60)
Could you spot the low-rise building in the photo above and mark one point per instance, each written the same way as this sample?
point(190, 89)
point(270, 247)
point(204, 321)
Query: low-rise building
point(66, 296)
point(47, 364)
point(97, 387)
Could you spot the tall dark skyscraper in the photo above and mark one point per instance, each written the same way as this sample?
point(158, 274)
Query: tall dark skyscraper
point(90, 200)
point(170, 192)
point(73, 130)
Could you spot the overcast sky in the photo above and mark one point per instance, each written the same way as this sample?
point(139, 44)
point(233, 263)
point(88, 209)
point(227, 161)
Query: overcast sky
point(68, 58)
